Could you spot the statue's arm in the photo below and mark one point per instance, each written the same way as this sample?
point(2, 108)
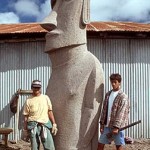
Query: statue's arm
point(92, 105)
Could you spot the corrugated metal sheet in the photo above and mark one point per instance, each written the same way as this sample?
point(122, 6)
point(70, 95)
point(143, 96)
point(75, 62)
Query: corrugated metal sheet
point(22, 62)
point(130, 58)
point(93, 26)
point(118, 26)
point(21, 28)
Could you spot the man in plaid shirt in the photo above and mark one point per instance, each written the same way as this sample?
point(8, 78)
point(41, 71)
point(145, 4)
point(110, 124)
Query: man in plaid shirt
point(114, 114)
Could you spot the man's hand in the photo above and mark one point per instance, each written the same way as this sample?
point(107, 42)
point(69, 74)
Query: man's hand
point(115, 131)
point(54, 129)
point(110, 134)
point(101, 129)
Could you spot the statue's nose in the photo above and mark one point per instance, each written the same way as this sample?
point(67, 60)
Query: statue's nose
point(50, 22)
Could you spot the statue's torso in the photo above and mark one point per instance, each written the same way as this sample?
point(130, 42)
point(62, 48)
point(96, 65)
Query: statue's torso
point(67, 89)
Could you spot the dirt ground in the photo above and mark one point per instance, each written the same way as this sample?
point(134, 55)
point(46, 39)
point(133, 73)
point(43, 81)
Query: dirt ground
point(139, 144)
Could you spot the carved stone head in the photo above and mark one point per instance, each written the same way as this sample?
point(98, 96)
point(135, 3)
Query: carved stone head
point(66, 23)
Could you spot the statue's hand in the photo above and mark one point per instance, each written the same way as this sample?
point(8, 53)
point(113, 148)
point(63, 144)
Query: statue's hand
point(54, 129)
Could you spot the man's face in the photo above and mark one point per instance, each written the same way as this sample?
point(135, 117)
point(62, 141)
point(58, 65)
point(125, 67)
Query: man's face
point(36, 91)
point(115, 85)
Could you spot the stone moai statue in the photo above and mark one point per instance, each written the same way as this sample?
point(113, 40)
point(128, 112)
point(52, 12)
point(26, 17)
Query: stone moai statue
point(76, 83)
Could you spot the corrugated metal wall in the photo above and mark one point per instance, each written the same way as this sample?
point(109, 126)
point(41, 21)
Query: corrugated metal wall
point(23, 62)
point(130, 58)
point(20, 63)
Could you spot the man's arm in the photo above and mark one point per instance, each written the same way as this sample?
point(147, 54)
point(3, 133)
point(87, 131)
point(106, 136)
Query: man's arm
point(25, 122)
point(25, 129)
point(122, 112)
point(51, 116)
point(52, 119)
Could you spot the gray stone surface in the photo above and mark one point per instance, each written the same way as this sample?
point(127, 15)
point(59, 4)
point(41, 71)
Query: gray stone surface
point(76, 83)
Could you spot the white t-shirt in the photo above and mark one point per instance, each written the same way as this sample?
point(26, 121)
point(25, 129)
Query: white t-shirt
point(112, 96)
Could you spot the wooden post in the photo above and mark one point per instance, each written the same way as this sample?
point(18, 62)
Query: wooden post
point(19, 92)
point(17, 121)
point(6, 140)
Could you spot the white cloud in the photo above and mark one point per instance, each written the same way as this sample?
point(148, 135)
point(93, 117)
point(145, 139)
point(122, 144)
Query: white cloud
point(101, 10)
point(8, 17)
point(136, 9)
point(27, 8)
point(45, 9)
point(107, 10)
point(34, 8)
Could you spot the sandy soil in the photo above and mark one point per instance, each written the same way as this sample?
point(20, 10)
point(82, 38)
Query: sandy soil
point(139, 144)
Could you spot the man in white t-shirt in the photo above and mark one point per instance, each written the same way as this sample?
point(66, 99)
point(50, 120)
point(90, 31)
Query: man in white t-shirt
point(39, 120)
point(114, 114)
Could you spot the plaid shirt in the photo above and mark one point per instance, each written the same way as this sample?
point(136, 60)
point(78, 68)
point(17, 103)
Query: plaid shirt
point(119, 110)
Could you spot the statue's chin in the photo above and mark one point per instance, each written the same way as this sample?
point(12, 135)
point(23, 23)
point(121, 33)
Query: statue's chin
point(58, 42)
point(51, 47)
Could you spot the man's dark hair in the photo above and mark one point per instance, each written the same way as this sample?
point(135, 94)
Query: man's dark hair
point(115, 76)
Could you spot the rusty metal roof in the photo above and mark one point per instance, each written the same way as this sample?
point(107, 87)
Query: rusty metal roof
point(93, 27)
point(21, 28)
point(119, 26)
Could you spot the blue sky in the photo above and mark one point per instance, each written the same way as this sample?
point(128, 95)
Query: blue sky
point(23, 11)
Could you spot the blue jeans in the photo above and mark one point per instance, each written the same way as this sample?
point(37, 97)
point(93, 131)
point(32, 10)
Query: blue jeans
point(118, 138)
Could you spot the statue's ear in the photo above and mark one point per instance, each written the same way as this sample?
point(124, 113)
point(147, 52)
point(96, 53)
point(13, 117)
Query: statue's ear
point(53, 3)
point(86, 12)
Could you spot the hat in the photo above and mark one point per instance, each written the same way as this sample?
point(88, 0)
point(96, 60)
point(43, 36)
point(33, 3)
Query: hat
point(36, 83)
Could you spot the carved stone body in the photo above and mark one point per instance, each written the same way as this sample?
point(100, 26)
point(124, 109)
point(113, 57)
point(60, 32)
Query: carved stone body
point(76, 83)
